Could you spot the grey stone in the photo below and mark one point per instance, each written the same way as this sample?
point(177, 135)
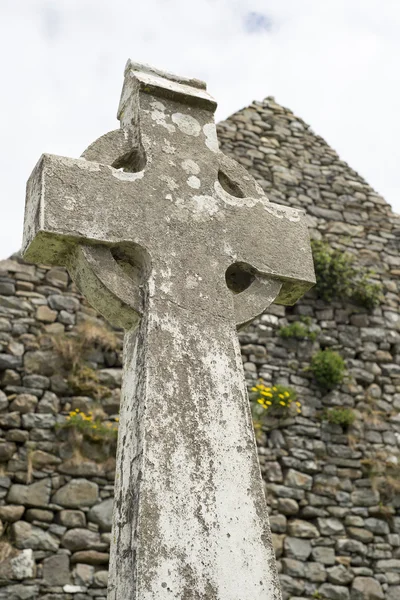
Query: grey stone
point(288, 506)
point(277, 543)
point(38, 421)
point(56, 570)
point(7, 450)
point(365, 497)
point(102, 514)
point(90, 557)
point(24, 403)
point(83, 574)
point(77, 493)
point(10, 420)
point(36, 494)
point(388, 565)
point(8, 361)
point(38, 514)
point(377, 526)
point(28, 536)
point(49, 404)
point(393, 592)
point(366, 588)
point(302, 529)
point(20, 592)
point(72, 518)
point(330, 526)
point(360, 534)
point(315, 572)
point(41, 362)
point(339, 575)
point(111, 377)
point(334, 592)
point(299, 549)
point(61, 302)
point(11, 512)
point(323, 555)
point(100, 578)
point(16, 565)
point(80, 539)
point(297, 479)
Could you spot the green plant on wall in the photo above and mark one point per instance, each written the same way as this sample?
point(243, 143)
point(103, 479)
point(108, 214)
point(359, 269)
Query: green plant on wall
point(340, 415)
point(328, 368)
point(300, 330)
point(90, 427)
point(272, 401)
point(338, 277)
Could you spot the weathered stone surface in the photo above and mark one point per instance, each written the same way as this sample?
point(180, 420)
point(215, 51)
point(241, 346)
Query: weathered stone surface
point(38, 514)
point(56, 570)
point(11, 512)
point(36, 494)
point(212, 189)
point(16, 565)
point(102, 514)
point(45, 314)
point(366, 588)
point(334, 592)
point(72, 518)
point(41, 362)
point(77, 493)
point(299, 549)
point(7, 449)
point(330, 527)
point(24, 403)
point(80, 539)
point(302, 529)
point(28, 536)
point(91, 557)
point(297, 479)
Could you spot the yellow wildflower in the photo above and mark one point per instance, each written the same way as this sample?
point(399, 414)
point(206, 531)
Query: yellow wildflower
point(287, 394)
point(283, 404)
point(253, 389)
point(298, 404)
point(275, 389)
point(117, 419)
point(281, 396)
point(268, 402)
point(267, 394)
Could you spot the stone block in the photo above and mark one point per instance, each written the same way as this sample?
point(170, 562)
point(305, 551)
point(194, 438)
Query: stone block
point(56, 570)
point(72, 518)
point(102, 514)
point(302, 529)
point(366, 588)
point(35, 494)
point(300, 549)
point(25, 535)
point(45, 314)
point(77, 493)
point(81, 539)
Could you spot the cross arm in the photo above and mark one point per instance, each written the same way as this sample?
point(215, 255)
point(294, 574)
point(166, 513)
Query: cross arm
point(74, 201)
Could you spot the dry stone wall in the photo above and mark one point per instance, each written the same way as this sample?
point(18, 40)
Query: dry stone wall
point(334, 502)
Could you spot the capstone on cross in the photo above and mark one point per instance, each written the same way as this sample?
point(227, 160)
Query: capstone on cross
point(175, 242)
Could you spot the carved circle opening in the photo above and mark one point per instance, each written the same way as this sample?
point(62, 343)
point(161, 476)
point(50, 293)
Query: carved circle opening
point(229, 185)
point(239, 276)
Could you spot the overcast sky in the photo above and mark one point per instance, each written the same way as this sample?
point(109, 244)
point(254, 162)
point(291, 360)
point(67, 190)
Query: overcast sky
point(333, 62)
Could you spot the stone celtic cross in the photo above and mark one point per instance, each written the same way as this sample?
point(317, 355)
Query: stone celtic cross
point(175, 242)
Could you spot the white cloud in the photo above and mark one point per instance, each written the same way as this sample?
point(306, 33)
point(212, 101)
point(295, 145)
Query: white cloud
point(334, 63)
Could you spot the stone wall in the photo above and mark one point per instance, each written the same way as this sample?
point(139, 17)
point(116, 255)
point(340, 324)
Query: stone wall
point(336, 526)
